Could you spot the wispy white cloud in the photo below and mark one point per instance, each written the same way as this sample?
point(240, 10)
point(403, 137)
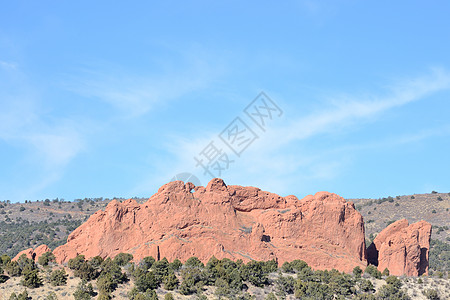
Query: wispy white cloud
point(397, 140)
point(52, 144)
point(47, 146)
point(134, 94)
point(58, 146)
point(8, 65)
point(272, 163)
point(347, 109)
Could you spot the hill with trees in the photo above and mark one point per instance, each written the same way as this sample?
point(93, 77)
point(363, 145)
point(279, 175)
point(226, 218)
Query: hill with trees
point(122, 278)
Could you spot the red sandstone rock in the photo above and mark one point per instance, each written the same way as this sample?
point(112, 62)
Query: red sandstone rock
point(33, 254)
point(225, 221)
point(402, 248)
point(28, 252)
point(41, 250)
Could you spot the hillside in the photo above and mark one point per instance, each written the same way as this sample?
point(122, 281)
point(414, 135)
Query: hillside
point(25, 225)
point(217, 279)
point(433, 208)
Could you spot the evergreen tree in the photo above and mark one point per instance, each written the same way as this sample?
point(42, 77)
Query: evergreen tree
point(31, 279)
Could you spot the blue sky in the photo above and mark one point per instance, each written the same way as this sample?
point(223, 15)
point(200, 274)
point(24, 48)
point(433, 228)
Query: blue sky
point(101, 99)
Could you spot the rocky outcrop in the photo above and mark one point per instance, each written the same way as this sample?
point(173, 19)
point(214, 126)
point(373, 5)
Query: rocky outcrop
point(41, 250)
point(28, 252)
point(33, 254)
point(234, 222)
point(402, 248)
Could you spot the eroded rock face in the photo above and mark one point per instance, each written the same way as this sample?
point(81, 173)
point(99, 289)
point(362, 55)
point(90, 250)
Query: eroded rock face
point(234, 222)
point(41, 250)
point(28, 252)
point(402, 248)
point(33, 254)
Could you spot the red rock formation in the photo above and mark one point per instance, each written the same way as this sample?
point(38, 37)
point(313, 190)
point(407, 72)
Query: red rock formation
point(402, 248)
point(28, 252)
point(235, 222)
point(34, 254)
point(41, 250)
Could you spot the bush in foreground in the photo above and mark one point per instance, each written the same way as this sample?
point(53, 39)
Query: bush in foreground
point(58, 277)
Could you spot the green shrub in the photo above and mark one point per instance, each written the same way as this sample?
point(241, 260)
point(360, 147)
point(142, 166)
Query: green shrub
point(391, 290)
point(106, 284)
point(431, 294)
point(341, 284)
point(193, 280)
point(170, 282)
point(222, 288)
point(394, 281)
point(25, 264)
point(96, 261)
point(122, 259)
point(161, 270)
point(270, 266)
point(146, 281)
point(285, 285)
point(58, 277)
point(439, 256)
point(271, 296)
point(109, 267)
point(366, 286)
point(312, 290)
point(298, 265)
point(357, 271)
point(31, 279)
point(4, 259)
point(287, 267)
point(134, 294)
point(104, 296)
point(84, 291)
point(21, 296)
point(45, 258)
point(13, 269)
point(175, 265)
point(373, 271)
point(147, 262)
point(385, 272)
point(193, 262)
point(75, 263)
point(82, 268)
point(254, 273)
point(168, 296)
